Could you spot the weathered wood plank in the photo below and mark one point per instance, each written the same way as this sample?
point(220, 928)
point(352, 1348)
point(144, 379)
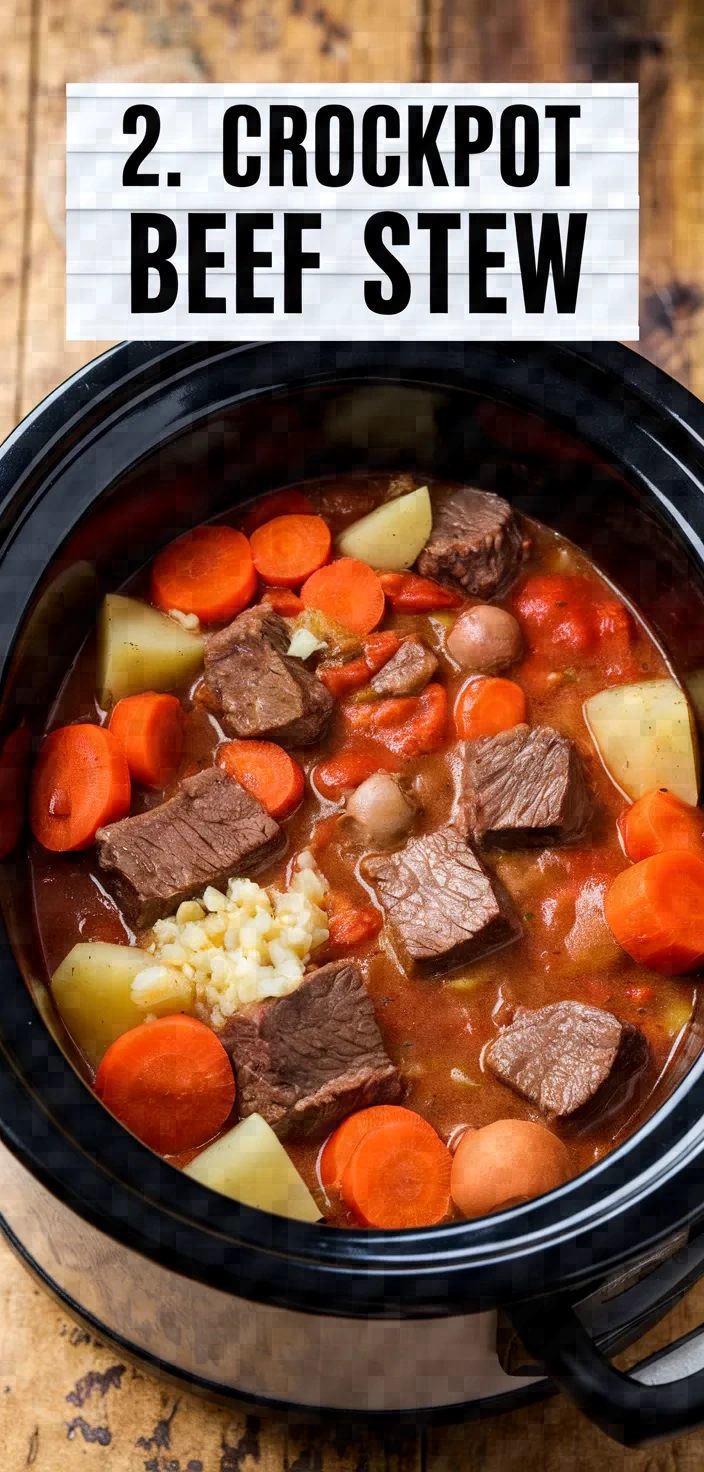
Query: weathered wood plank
point(179, 40)
point(18, 64)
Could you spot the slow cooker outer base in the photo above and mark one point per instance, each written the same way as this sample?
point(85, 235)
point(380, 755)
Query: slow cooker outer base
point(230, 1347)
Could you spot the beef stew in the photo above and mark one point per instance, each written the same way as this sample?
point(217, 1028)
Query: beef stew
point(377, 872)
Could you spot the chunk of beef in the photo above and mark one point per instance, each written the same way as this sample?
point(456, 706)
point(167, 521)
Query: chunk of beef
point(257, 690)
point(408, 671)
point(565, 1055)
point(210, 830)
point(306, 1061)
point(444, 907)
point(475, 542)
point(524, 786)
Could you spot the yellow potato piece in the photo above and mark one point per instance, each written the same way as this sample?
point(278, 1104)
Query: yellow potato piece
point(91, 989)
point(391, 537)
point(646, 737)
point(250, 1164)
point(141, 649)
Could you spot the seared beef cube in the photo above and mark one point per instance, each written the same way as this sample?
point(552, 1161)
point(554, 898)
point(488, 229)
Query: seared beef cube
point(408, 671)
point(256, 689)
point(444, 907)
point(475, 542)
point(561, 1057)
point(524, 786)
point(306, 1061)
point(208, 832)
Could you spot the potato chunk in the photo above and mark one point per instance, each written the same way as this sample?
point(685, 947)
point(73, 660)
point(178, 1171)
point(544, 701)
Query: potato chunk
point(250, 1164)
point(142, 649)
point(391, 537)
point(646, 737)
point(92, 989)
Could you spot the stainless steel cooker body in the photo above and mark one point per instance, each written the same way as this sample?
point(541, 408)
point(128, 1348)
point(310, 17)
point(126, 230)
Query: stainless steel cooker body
point(145, 441)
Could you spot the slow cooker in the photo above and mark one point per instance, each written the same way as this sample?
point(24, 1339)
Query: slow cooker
point(145, 441)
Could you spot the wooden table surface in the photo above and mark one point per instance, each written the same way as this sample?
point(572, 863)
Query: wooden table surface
point(66, 1402)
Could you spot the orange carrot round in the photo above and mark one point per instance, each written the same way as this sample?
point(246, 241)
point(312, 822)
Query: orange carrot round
point(279, 503)
point(660, 821)
point(149, 729)
point(340, 774)
point(398, 1176)
point(81, 781)
point(655, 911)
point(208, 571)
point(169, 1081)
point(487, 705)
point(347, 591)
point(353, 927)
point(267, 771)
point(289, 549)
point(283, 601)
point(341, 1144)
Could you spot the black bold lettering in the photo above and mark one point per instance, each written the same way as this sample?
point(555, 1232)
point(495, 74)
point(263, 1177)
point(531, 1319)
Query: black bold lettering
point(143, 260)
point(323, 166)
point(370, 146)
point(464, 145)
point(382, 257)
point(531, 148)
point(423, 144)
point(246, 259)
point(480, 259)
point(233, 174)
point(563, 116)
point(281, 143)
point(199, 259)
point(296, 260)
point(535, 273)
point(439, 227)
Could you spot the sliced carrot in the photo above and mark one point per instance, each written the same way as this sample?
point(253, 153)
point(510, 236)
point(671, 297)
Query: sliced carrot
point(289, 549)
point(407, 592)
point(660, 821)
point(150, 731)
point(347, 591)
point(343, 679)
point(283, 601)
point(267, 771)
point(410, 725)
point(15, 759)
point(353, 927)
point(340, 774)
point(208, 571)
point(81, 781)
point(341, 1144)
point(169, 1081)
point(279, 503)
point(655, 910)
point(398, 1176)
point(487, 705)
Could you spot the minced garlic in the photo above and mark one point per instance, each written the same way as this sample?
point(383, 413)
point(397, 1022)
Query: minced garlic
point(239, 947)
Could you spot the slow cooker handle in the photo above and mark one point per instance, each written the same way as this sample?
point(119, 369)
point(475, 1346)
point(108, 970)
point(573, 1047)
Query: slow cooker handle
point(629, 1410)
